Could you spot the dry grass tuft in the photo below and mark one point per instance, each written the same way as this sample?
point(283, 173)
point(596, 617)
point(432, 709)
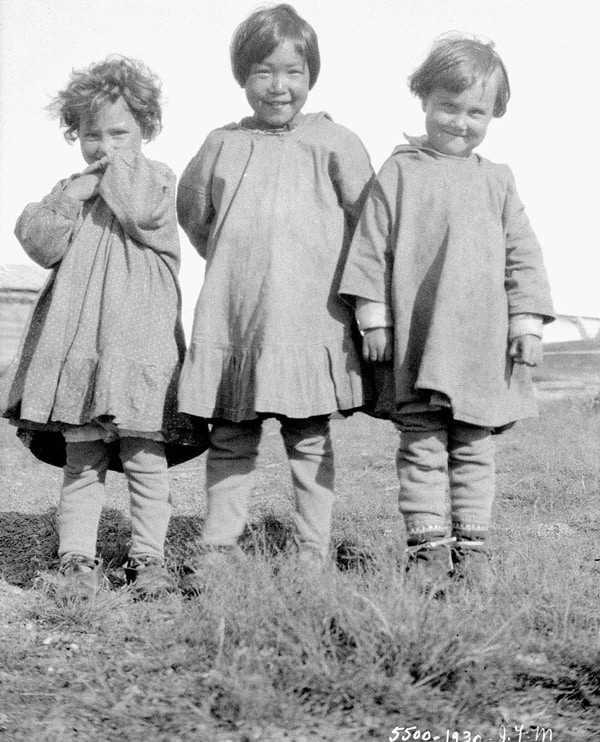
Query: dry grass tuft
point(268, 653)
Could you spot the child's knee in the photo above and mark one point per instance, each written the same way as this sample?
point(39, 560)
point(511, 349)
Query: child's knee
point(309, 437)
point(84, 456)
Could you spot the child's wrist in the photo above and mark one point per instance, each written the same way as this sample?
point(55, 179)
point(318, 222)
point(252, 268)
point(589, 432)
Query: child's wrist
point(525, 324)
point(371, 315)
point(364, 331)
point(73, 193)
point(62, 203)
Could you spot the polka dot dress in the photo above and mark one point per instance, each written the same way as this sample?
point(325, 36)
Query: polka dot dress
point(105, 337)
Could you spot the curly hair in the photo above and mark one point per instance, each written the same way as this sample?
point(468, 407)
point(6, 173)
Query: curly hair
point(263, 31)
point(104, 82)
point(455, 63)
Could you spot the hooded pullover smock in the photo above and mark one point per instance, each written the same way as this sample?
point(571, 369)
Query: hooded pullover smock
point(272, 212)
point(445, 244)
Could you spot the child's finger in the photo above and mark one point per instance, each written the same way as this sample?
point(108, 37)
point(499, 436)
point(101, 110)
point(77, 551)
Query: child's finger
point(91, 168)
point(95, 166)
point(533, 359)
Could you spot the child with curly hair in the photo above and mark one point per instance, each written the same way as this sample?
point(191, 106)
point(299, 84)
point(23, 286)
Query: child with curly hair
point(101, 357)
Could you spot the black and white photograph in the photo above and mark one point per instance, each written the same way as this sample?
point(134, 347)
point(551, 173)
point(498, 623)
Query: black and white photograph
point(299, 371)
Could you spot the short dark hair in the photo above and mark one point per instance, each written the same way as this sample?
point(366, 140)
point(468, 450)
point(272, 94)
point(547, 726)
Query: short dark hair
point(104, 82)
point(457, 62)
point(262, 32)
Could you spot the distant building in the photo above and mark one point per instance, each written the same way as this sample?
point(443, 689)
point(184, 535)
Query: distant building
point(569, 327)
point(19, 289)
point(20, 286)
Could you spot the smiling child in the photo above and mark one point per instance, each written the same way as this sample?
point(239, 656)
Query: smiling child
point(448, 283)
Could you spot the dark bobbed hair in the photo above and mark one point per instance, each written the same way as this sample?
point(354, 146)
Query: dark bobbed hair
point(262, 32)
point(104, 82)
point(457, 62)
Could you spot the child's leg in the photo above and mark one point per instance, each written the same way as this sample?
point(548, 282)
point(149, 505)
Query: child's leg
point(422, 466)
point(310, 453)
point(472, 479)
point(145, 467)
point(81, 498)
point(230, 476)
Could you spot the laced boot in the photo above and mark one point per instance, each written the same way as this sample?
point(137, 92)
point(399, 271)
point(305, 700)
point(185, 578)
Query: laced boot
point(80, 575)
point(148, 577)
point(471, 560)
point(210, 559)
point(430, 563)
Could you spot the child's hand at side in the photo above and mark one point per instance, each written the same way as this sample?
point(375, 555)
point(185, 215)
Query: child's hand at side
point(377, 344)
point(526, 349)
point(85, 185)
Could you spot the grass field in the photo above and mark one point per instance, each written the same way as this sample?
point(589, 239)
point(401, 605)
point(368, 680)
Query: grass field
point(267, 655)
point(571, 366)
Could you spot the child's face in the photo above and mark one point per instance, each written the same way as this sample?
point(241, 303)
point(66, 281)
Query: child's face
point(113, 127)
point(456, 123)
point(277, 87)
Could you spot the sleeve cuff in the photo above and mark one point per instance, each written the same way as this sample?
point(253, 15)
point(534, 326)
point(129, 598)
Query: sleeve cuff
point(62, 204)
point(371, 314)
point(525, 324)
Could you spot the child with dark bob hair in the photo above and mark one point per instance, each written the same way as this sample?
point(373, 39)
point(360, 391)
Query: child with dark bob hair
point(100, 360)
point(271, 203)
point(263, 31)
point(448, 282)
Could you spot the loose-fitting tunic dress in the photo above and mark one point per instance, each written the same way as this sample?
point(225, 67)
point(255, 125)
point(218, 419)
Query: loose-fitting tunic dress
point(272, 213)
point(105, 339)
point(446, 243)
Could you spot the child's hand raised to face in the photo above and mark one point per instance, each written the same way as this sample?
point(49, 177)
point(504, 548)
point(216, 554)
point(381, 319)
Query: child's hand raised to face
point(526, 349)
point(112, 127)
point(86, 184)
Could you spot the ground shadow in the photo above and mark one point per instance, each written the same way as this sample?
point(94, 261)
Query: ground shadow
point(268, 537)
point(27, 547)
point(29, 544)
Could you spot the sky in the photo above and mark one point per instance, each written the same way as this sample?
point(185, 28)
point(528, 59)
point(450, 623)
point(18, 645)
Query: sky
point(368, 49)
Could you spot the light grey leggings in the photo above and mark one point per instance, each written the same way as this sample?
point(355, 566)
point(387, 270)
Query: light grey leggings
point(82, 495)
point(437, 453)
point(230, 474)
